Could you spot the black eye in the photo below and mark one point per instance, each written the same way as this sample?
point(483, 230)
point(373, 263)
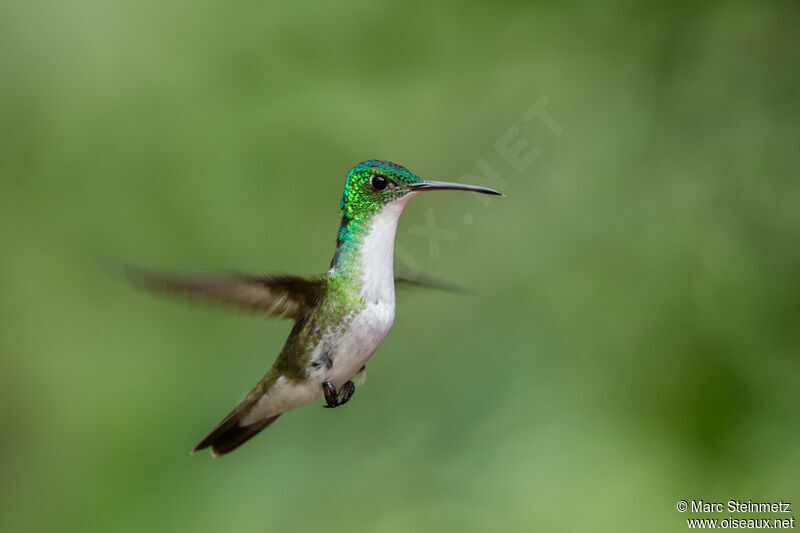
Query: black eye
point(378, 182)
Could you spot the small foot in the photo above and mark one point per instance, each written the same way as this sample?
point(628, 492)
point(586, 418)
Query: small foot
point(347, 392)
point(334, 398)
point(331, 398)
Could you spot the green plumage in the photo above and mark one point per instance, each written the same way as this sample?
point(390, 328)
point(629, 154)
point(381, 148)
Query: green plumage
point(340, 317)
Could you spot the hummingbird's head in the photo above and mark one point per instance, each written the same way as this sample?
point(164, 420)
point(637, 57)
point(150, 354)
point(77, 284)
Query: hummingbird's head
point(373, 184)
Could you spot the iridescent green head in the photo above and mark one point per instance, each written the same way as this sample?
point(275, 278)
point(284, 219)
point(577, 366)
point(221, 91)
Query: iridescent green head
point(374, 183)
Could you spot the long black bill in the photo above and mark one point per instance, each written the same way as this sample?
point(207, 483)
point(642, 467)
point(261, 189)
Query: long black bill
point(430, 185)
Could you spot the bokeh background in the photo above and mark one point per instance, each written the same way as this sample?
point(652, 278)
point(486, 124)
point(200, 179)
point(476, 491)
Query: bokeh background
point(632, 334)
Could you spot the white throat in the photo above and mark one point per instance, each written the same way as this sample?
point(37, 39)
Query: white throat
point(376, 257)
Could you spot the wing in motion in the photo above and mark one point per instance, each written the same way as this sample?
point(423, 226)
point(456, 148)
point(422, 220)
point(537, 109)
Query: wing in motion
point(420, 280)
point(278, 295)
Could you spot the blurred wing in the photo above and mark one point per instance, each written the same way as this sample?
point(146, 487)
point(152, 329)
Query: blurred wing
point(279, 295)
point(418, 279)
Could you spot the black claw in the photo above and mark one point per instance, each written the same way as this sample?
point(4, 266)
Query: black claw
point(331, 397)
point(347, 392)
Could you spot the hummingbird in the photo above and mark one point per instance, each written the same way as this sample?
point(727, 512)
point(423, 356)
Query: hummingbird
point(340, 318)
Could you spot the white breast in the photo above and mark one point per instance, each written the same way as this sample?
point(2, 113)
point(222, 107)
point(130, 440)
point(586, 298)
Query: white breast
point(363, 336)
point(363, 331)
point(369, 328)
point(376, 257)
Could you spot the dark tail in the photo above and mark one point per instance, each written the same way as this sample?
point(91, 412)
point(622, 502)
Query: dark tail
point(229, 434)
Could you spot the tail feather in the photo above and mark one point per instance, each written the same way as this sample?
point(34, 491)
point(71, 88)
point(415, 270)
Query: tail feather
point(229, 434)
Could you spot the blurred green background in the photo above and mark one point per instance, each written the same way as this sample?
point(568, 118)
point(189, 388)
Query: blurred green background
point(632, 339)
